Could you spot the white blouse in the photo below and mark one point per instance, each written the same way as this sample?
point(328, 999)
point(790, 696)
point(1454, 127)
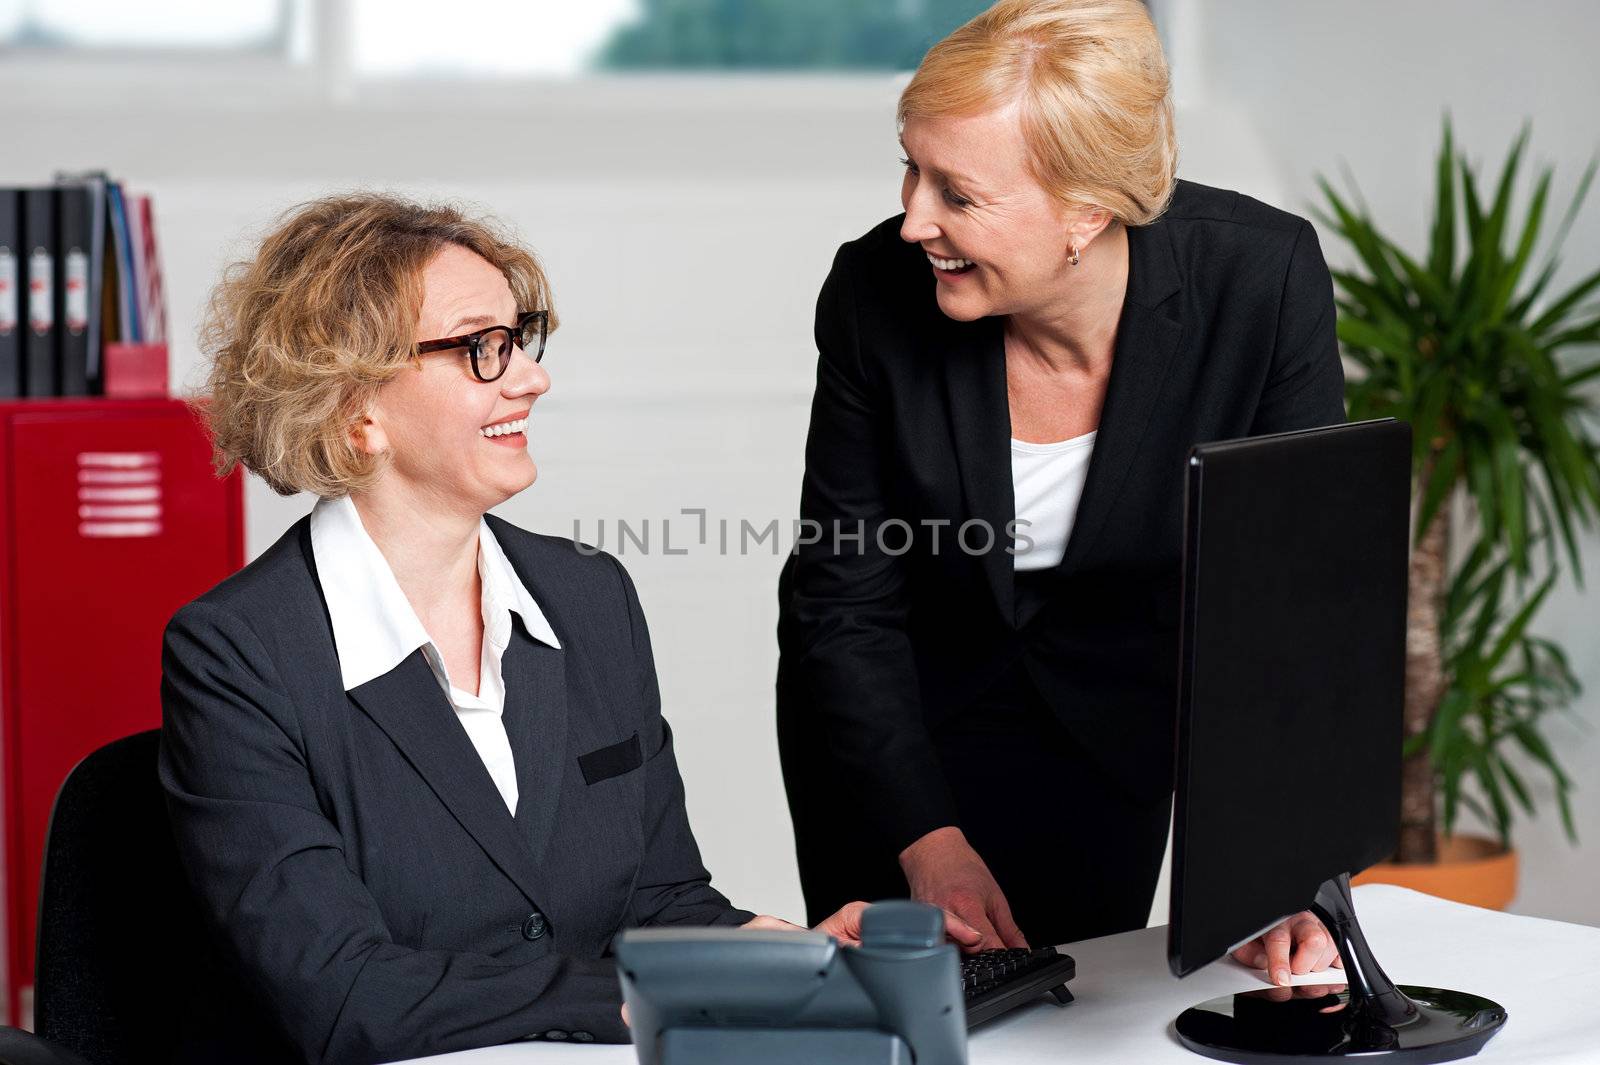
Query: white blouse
point(1047, 482)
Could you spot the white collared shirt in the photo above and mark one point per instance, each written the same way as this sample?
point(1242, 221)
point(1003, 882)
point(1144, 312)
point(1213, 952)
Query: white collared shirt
point(375, 628)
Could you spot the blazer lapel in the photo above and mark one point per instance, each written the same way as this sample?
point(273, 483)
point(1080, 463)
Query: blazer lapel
point(407, 704)
point(536, 701)
point(980, 416)
point(1147, 339)
point(536, 724)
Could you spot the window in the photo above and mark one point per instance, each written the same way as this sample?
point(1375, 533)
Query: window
point(466, 40)
point(783, 35)
point(554, 38)
point(262, 26)
point(480, 38)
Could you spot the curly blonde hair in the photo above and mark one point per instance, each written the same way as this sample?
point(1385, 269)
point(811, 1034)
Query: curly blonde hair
point(301, 336)
point(1095, 97)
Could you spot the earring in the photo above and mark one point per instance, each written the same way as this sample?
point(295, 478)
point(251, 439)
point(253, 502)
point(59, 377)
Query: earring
point(1074, 259)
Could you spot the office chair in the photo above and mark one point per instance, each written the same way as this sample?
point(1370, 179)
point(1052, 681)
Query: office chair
point(115, 917)
point(124, 967)
point(24, 1048)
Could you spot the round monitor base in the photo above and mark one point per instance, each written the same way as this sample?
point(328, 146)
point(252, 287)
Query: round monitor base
point(1309, 1021)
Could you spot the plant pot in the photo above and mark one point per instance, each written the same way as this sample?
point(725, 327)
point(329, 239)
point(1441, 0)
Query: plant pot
point(1470, 869)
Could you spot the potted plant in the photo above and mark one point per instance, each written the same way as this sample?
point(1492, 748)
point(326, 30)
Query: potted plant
point(1468, 345)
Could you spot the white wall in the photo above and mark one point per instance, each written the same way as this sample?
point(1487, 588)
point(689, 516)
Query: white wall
point(1363, 84)
point(686, 226)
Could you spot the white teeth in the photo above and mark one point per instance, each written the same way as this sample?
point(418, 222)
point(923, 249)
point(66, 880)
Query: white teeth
point(518, 426)
point(948, 264)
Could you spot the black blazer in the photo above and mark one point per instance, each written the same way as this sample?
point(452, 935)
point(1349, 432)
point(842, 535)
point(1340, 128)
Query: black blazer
point(351, 852)
point(1227, 331)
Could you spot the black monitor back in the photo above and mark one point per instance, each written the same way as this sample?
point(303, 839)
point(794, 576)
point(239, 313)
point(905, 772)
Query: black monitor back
point(1292, 676)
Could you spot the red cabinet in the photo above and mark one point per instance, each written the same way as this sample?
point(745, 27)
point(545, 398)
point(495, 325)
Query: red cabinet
point(110, 519)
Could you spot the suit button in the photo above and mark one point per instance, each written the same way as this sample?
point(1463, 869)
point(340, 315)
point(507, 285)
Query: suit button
point(534, 926)
point(556, 1034)
point(582, 1037)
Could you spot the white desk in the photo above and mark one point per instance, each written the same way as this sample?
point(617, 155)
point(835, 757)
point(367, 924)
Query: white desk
point(1546, 974)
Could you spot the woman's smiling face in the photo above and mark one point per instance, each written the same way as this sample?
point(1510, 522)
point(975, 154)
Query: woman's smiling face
point(444, 428)
point(970, 198)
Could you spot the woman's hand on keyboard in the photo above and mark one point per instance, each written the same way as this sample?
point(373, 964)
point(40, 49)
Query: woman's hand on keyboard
point(943, 869)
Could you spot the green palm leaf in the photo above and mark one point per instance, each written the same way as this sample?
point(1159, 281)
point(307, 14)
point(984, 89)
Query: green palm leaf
point(1463, 343)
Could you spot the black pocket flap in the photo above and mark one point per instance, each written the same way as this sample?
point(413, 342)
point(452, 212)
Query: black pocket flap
point(610, 761)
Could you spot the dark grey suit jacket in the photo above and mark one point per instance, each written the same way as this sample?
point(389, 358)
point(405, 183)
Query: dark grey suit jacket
point(373, 895)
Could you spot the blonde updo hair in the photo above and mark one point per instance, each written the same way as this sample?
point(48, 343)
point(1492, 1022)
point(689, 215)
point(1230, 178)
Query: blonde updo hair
point(301, 337)
point(1092, 81)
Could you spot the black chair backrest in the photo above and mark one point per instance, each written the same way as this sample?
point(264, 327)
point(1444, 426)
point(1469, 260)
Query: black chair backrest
point(125, 970)
point(117, 927)
point(24, 1048)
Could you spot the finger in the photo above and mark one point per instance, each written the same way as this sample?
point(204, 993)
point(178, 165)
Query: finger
point(1338, 961)
point(763, 922)
point(991, 939)
point(970, 909)
point(1010, 934)
point(1252, 954)
point(847, 922)
point(1330, 949)
point(962, 933)
point(1277, 944)
point(1310, 942)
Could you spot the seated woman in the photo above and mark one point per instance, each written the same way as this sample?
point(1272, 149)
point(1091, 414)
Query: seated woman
point(414, 755)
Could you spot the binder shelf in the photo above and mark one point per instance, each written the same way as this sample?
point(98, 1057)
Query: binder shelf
point(112, 519)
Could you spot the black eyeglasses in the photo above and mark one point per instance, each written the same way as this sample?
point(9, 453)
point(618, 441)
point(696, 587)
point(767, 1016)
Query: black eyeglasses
point(490, 349)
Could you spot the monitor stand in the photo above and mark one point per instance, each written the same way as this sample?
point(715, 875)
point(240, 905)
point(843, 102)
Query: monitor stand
point(1371, 1017)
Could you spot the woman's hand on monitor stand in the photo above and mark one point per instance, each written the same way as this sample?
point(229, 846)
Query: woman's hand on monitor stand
point(1295, 947)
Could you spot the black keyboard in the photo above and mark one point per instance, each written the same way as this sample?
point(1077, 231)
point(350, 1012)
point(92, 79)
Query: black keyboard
point(995, 981)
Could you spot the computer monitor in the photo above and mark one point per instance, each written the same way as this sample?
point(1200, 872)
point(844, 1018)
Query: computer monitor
point(1292, 679)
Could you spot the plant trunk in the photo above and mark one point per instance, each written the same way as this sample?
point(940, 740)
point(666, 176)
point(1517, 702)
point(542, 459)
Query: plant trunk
point(1425, 679)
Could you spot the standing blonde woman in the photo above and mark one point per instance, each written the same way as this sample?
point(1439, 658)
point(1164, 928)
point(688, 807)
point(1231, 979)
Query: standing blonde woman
point(414, 756)
point(978, 673)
